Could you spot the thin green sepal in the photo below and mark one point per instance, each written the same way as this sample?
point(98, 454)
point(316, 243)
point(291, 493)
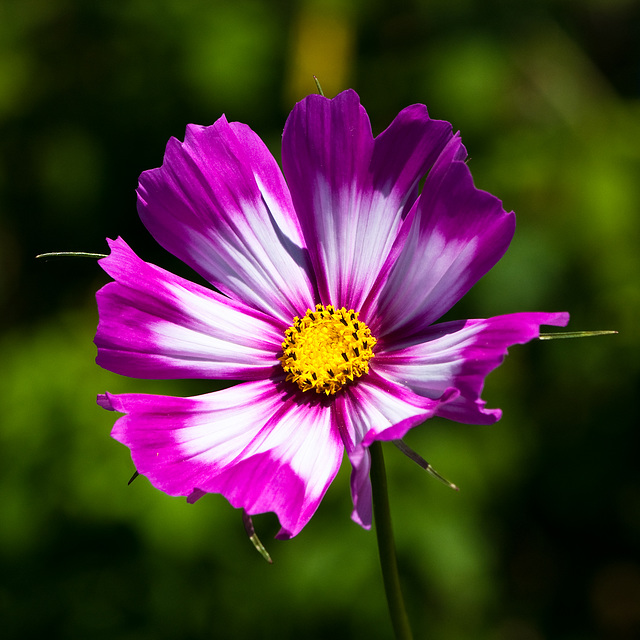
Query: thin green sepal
point(320, 91)
point(71, 254)
point(253, 536)
point(260, 548)
point(574, 334)
point(421, 462)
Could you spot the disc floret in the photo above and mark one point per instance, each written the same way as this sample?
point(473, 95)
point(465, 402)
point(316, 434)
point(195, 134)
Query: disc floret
point(326, 349)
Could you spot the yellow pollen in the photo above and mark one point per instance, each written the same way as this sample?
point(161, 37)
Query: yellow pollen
point(326, 349)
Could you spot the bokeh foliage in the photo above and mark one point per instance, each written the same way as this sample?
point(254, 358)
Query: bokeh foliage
point(542, 541)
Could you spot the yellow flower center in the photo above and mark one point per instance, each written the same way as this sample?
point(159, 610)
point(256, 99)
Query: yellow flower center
point(326, 349)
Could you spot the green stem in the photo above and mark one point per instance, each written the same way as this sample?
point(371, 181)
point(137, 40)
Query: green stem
point(386, 546)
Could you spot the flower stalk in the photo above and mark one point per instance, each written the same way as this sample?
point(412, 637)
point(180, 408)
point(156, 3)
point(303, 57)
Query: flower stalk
point(386, 545)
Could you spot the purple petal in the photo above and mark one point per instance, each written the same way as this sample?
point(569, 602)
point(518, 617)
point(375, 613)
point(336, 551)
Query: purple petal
point(457, 234)
point(461, 355)
point(378, 409)
point(361, 492)
point(220, 204)
point(154, 324)
point(351, 191)
point(261, 448)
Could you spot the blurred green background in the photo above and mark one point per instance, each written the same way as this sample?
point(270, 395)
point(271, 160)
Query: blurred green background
point(542, 542)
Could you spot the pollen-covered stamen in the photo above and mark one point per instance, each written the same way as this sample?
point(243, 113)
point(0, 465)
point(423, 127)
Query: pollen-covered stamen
point(326, 349)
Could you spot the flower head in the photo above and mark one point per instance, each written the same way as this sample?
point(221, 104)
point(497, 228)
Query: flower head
point(327, 287)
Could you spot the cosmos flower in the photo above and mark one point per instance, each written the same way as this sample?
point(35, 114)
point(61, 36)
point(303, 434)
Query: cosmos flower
point(326, 291)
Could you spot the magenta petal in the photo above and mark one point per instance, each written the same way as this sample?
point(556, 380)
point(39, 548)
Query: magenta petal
point(262, 449)
point(154, 324)
point(457, 234)
point(351, 191)
point(378, 409)
point(361, 490)
point(461, 355)
point(220, 204)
